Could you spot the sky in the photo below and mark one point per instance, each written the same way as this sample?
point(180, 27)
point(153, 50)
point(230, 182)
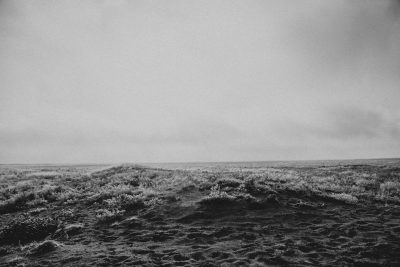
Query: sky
point(111, 81)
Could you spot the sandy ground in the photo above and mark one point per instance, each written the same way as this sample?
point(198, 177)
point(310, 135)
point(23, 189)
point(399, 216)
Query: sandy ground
point(280, 227)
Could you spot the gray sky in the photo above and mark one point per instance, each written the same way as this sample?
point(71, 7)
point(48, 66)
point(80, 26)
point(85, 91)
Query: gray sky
point(164, 81)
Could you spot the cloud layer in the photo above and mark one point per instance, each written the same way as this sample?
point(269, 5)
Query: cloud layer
point(123, 81)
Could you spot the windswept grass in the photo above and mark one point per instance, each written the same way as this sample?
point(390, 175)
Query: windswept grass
point(42, 207)
point(25, 228)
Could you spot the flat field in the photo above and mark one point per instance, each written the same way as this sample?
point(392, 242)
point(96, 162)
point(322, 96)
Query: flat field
point(335, 213)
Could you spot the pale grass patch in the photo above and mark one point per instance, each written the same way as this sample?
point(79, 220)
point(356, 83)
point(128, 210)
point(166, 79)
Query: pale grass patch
point(347, 198)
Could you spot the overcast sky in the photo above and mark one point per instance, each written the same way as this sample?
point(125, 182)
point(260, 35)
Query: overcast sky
point(163, 81)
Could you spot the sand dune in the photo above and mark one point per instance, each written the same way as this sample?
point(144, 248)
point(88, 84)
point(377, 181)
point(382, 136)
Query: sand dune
point(129, 215)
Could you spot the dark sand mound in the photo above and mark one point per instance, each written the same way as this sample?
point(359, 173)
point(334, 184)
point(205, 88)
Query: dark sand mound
point(137, 216)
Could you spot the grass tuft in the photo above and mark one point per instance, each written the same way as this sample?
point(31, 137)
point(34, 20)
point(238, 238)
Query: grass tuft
point(25, 228)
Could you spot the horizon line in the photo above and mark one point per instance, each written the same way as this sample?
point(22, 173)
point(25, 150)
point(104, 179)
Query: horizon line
point(199, 162)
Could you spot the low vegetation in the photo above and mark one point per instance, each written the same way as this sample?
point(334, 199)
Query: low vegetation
point(40, 208)
point(26, 228)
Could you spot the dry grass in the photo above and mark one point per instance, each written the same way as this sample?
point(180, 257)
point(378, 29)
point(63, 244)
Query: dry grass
point(26, 228)
point(131, 188)
point(43, 204)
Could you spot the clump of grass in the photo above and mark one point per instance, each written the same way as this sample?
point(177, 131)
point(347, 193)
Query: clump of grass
point(109, 216)
point(69, 197)
point(389, 191)
point(16, 202)
point(221, 199)
point(109, 191)
point(36, 211)
point(257, 187)
point(343, 197)
point(364, 182)
point(205, 186)
point(37, 202)
point(390, 188)
point(25, 228)
point(126, 202)
point(49, 192)
point(229, 183)
point(217, 198)
point(31, 193)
